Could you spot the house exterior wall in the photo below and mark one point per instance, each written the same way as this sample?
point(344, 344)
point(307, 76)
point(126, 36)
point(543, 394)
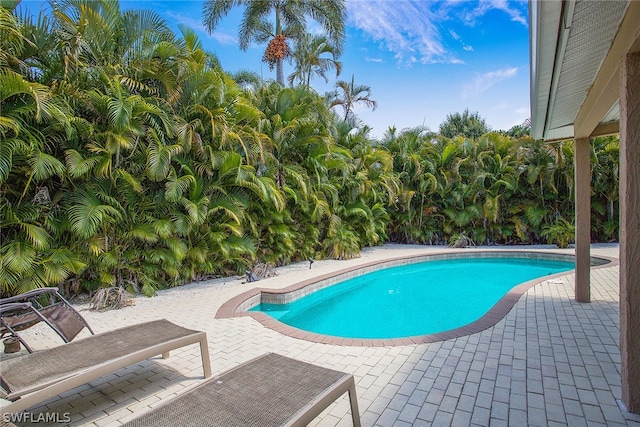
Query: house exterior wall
point(630, 230)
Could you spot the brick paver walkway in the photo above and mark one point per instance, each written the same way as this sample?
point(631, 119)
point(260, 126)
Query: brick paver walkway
point(550, 361)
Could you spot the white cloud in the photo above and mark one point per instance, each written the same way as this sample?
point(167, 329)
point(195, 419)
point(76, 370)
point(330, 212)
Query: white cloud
point(224, 39)
point(509, 117)
point(457, 37)
point(515, 14)
point(196, 25)
point(406, 28)
point(189, 21)
point(483, 6)
point(482, 83)
point(415, 31)
point(368, 59)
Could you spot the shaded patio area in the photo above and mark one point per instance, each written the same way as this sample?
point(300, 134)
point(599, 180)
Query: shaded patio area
point(550, 361)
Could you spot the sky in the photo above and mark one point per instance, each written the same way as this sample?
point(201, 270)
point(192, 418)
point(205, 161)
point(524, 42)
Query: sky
point(423, 60)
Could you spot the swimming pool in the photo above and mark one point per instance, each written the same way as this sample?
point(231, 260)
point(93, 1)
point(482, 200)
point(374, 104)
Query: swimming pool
point(422, 298)
point(282, 290)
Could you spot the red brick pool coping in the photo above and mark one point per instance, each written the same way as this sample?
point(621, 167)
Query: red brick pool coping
point(238, 305)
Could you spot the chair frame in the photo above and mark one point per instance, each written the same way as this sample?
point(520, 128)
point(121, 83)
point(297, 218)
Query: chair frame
point(222, 398)
point(29, 302)
point(51, 382)
point(11, 308)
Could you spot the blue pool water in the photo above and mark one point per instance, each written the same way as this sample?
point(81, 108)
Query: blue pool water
point(409, 300)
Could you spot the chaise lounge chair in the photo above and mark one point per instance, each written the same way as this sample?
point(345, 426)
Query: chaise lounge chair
point(46, 305)
point(33, 378)
point(271, 390)
point(268, 391)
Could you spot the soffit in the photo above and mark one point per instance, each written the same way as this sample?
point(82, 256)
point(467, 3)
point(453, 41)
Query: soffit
point(569, 42)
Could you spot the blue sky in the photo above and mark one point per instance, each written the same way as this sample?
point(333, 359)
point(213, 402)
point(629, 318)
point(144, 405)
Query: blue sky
point(422, 59)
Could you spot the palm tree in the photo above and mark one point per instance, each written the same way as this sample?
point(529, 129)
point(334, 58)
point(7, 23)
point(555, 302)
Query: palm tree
point(297, 125)
point(128, 157)
point(605, 183)
point(95, 36)
point(308, 59)
point(33, 120)
point(348, 95)
point(416, 212)
point(371, 186)
point(12, 42)
point(290, 22)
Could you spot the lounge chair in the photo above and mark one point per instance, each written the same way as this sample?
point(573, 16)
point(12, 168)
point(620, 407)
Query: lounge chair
point(46, 305)
point(271, 390)
point(36, 377)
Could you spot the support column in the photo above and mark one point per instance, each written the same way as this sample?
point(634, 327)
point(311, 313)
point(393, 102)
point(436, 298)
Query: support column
point(582, 166)
point(630, 230)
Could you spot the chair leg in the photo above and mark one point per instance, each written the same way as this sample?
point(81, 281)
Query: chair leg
point(353, 400)
point(204, 353)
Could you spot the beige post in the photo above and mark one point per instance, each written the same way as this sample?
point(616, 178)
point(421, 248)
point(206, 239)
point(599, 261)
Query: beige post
point(630, 230)
point(582, 166)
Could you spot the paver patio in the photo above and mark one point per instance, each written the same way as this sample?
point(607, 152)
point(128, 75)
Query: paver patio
point(550, 361)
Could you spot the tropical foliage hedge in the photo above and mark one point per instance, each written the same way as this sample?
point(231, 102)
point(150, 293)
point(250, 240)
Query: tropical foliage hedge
point(129, 158)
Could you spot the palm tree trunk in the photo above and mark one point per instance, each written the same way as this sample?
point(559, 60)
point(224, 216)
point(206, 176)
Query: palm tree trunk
point(279, 68)
point(279, 72)
point(610, 209)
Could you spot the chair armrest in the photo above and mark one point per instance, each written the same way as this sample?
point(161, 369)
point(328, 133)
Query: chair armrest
point(22, 306)
point(29, 294)
point(15, 306)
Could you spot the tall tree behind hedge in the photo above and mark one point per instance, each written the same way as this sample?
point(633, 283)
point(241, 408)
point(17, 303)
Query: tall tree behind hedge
point(465, 124)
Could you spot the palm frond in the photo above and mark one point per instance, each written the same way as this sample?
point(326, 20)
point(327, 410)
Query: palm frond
point(87, 214)
point(44, 166)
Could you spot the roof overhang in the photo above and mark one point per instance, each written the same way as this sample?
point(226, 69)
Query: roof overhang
point(576, 51)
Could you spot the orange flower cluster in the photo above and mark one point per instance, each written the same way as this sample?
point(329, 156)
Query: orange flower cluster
point(276, 49)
